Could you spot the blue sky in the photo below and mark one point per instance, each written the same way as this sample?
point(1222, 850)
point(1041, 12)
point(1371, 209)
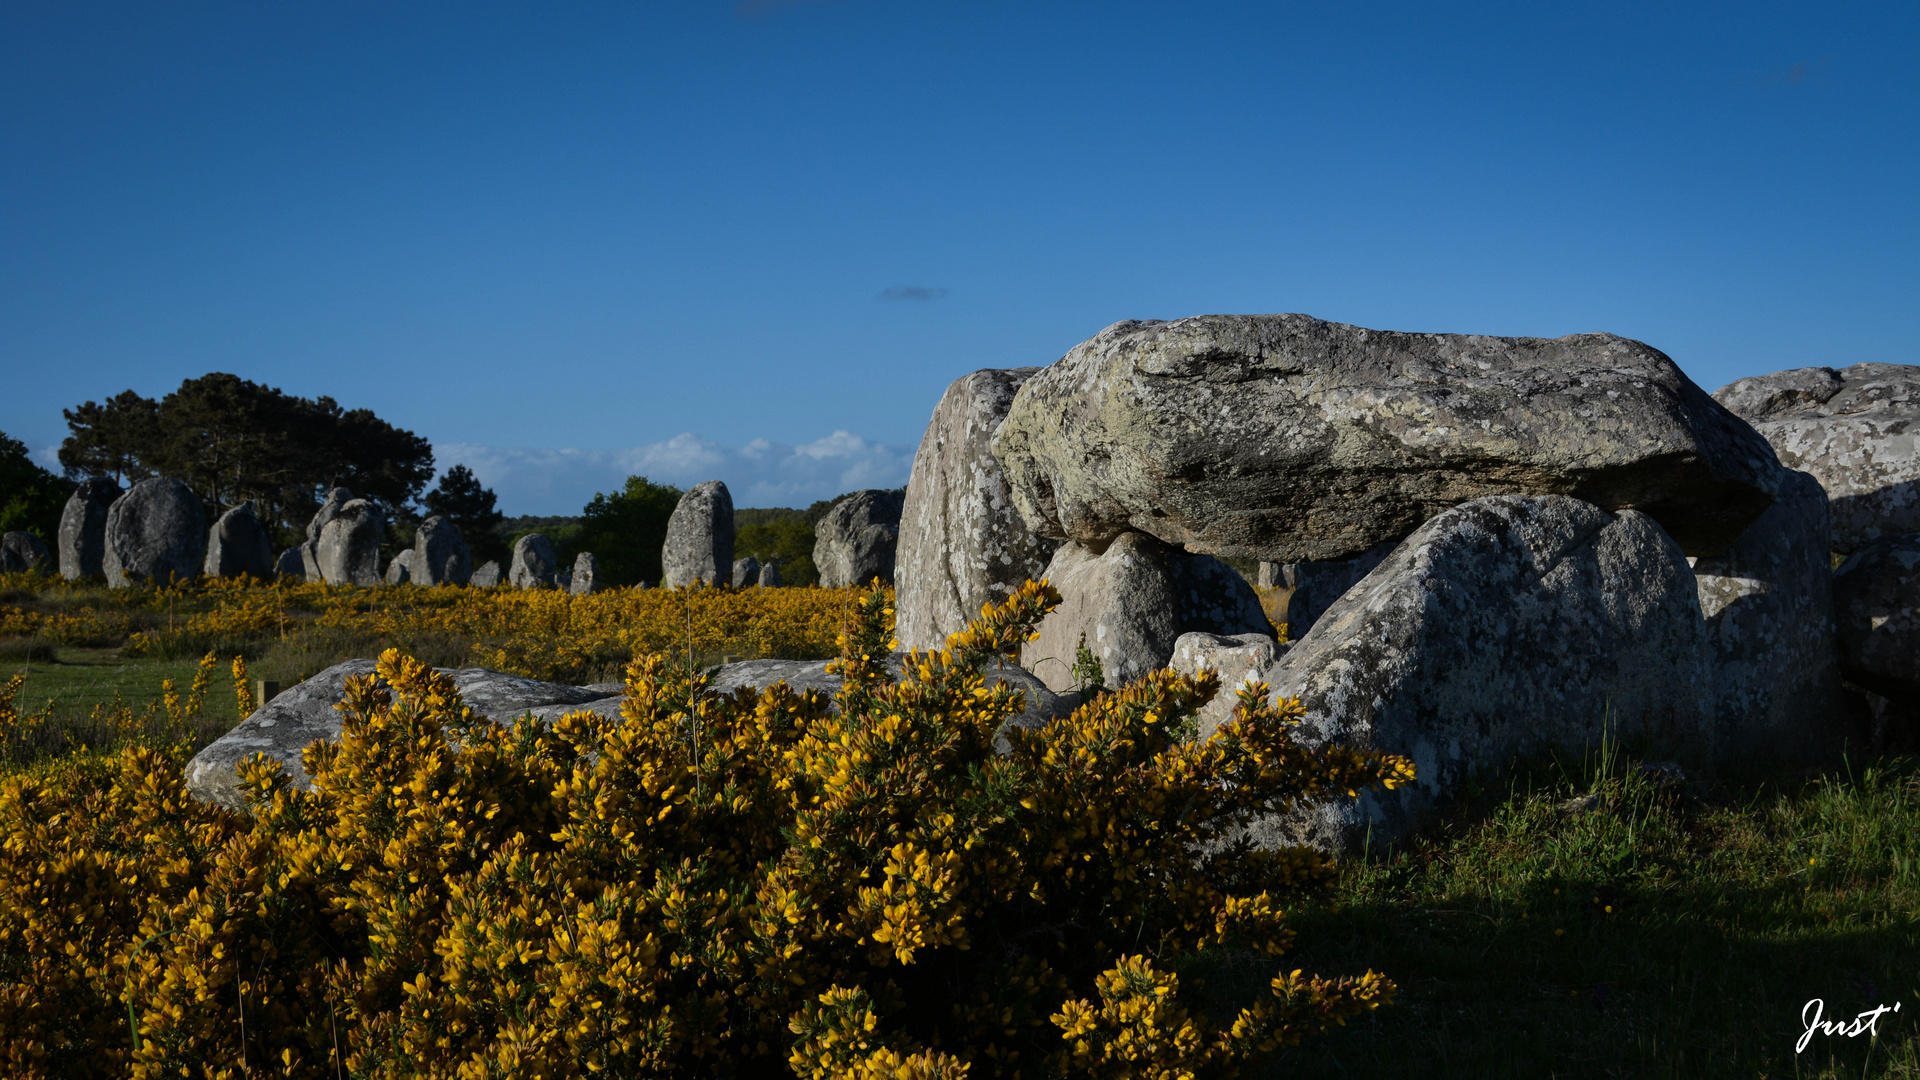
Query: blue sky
point(756, 240)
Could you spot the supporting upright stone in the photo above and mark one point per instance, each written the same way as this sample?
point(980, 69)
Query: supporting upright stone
point(238, 545)
point(83, 529)
point(156, 532)
point(962, 542)
point(699, 546)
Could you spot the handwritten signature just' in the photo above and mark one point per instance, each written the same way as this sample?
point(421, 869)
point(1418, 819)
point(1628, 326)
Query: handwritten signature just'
point(1863, 1024)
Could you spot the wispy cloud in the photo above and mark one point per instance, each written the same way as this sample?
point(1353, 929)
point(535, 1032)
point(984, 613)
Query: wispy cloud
point(761, 473)
point(913, 292)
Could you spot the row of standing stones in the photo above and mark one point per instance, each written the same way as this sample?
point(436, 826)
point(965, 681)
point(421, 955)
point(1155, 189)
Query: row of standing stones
point(1483, 548)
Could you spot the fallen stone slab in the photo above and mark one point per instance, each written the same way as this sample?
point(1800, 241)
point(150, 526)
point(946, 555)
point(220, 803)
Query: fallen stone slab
point(1286, 438)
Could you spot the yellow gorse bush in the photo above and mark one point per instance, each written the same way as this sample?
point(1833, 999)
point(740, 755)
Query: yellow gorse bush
point(745, 885)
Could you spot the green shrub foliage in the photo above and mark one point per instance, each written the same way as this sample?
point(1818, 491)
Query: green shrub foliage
point(771, 884)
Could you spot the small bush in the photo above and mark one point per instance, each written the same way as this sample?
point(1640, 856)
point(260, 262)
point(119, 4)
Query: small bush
point(704, 886)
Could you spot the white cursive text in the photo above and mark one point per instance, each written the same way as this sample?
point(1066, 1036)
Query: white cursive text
point(1862, 1024)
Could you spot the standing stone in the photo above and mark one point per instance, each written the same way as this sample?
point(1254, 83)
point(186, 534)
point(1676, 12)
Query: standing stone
point(238, 544)
point(400, 570)
point(1121, 601)
point(1774, 659)
point(586, 574)
point(1857, 430)
point(156, 532)
point(770, 575)
point(290, 566)
point(349, 548)
point(1876, 598)
point(962, 542)
point(746, 572)
point(83, 529)
point(699, 545)
point(487, 576)
point(440, 554)
point(534, 563)
point(1505, 626)
point(21, 552)
point(310, 551)
point(1286, 438)
point(854, 542)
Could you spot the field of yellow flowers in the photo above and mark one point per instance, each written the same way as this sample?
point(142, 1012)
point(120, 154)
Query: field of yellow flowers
point(751, 885)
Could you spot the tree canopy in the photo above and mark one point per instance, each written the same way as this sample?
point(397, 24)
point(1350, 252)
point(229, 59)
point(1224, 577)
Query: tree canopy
point(231, 440)
point(31, 498)
point(626, 529)
point(462, 500)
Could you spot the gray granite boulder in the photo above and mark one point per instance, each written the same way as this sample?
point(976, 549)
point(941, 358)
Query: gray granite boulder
point(310, 551)
point(83, 528)
point(962, 542)
point(586, 574)
point(440, 554)
point(302, 714)
point(1311, 587)
point(1238, 659)
point(855, 542)
point(1857, 430)
point(238, 544)
point(348, 551)
point(1286, 438)
point(1122, 602)
point(290, 566)
point(400, 570)
point(535, 563)
point(21, 552)
point(487, 576)
point(1876, 599)
point(156, 532)
point(1771, 649)
point(1503, 627)
point(699, 545)
point(770, 575)
point(746, 572)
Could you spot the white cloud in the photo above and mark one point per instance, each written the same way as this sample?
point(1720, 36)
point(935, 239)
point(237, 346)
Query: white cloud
point(761, 473)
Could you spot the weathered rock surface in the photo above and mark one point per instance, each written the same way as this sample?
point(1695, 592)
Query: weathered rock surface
point(487, 576)
point(1122, 601)
point(400, 570)
point(348, 551)
point(156, 532)
point(534, 563)
point(83, 529)
point(1773, 656)
point(1132, 602)
point(440, 554)
point(1876, 599)
point(1238, 659)
point(1504, 626)
point(746, 572)
point(770, 576)
point(310, 551)
point(1857, 430)
point(855, 542)
point(699, 545)
point(289, 564)
point(238, 544)
point(962, 542)
point(586, 574)
point(1286, 438)
point(23, 551)
point(283, 727)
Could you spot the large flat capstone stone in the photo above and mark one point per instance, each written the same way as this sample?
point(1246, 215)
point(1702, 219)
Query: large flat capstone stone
point(1286, 438)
